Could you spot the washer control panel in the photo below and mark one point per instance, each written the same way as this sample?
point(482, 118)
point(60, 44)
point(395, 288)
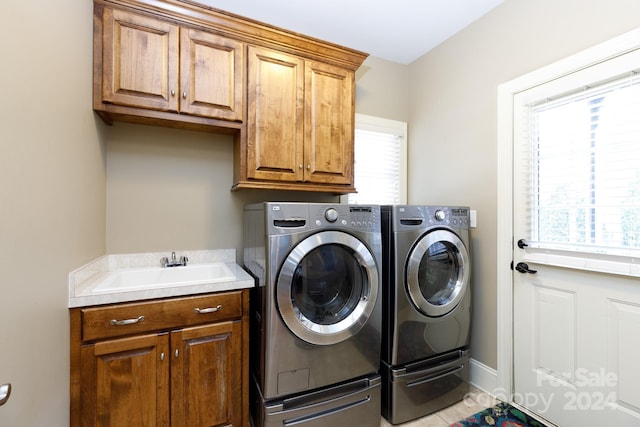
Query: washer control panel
point(290, 217)
point(365, 218)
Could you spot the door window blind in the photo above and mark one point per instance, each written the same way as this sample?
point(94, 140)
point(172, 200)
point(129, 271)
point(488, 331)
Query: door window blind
point(585, 153)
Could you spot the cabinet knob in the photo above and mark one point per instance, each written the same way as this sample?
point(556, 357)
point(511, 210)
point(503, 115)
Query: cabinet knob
point(308, 167)
point(184, 95)
point(161, 356)
point(300, 167)
point(177, 352)
point(173, 92)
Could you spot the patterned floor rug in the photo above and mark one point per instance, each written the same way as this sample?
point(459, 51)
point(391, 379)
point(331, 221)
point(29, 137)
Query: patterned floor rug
point(501, 415)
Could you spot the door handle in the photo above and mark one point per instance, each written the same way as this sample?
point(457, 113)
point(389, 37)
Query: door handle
point(5, 392)
point(522, 243)
point(523, 267)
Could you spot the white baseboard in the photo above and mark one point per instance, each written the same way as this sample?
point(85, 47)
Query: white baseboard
point(483, 377)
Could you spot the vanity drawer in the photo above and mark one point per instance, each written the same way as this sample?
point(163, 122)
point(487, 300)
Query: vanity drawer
point(132, 318)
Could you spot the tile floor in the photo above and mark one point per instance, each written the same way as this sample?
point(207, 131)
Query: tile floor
point(475, 401)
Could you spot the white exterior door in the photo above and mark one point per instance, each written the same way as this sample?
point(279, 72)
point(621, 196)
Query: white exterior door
point(576, 277)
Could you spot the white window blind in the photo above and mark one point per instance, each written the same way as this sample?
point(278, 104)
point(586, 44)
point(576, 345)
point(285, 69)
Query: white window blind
point(586, 162)
point(380, 162)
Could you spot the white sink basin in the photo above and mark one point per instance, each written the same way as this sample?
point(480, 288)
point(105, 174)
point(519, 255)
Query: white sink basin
point(158, 277)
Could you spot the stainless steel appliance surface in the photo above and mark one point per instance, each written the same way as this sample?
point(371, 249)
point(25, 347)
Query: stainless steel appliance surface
point(426, 309)
point(354, 403)
point(316, 313)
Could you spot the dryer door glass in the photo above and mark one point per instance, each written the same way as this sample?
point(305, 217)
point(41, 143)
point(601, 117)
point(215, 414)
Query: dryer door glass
point(327, 287)
point(438, 273)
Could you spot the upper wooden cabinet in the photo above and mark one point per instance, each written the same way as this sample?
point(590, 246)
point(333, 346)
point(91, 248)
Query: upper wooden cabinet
point(140, 61)
point(300, 122)
point(288, 99)
point(211, 75)
point(329, 123)
point(150, 67)
point(275, 133)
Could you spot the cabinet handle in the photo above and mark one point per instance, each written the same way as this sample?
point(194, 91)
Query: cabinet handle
point(161, 356)
point(184, 95)
point(177, 352)
point(115, 322)
point(300, 167)
point(308, 167)
point(208, 310)
point(173, 92)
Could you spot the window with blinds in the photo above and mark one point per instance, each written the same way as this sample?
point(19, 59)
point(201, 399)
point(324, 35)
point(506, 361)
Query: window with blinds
point(380, 161)
point(586, 162)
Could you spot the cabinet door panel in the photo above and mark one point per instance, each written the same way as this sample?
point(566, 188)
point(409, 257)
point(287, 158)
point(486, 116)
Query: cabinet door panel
point(206, 375)
point(275, 116)
point(140, 61)
point(328, 124)
point(211, 70)
point(131, 381)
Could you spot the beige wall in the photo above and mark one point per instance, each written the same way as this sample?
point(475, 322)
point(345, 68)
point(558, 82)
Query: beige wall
point(382, 89)
point(169, 190)
point(453, 115)
point(52, 198)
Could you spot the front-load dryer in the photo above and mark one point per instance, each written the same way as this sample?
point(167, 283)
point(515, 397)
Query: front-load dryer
point(426, 309)
point(316, 310)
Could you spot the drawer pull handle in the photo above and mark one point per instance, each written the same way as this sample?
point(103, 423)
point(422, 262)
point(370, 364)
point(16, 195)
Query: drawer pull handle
point(208, 310)
point(115, 322)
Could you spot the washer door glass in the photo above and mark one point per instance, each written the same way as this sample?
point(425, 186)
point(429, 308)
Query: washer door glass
point(438, 273)
point(327, 287)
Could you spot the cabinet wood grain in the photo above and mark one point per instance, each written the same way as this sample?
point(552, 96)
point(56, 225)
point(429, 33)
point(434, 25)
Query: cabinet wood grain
point(180, 370)
point(287, 99)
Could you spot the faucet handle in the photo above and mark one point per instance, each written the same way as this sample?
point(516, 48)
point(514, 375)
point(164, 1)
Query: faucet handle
point(184, 260)
point(164, 261)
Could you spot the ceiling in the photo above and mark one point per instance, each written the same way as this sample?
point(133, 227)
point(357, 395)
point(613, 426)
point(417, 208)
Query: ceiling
point(396, 30)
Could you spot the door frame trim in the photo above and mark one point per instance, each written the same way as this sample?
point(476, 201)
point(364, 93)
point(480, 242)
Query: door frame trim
point(617, 46)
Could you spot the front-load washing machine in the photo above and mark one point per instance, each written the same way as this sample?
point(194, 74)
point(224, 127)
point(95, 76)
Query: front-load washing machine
point(315, 314)
point(426, 309)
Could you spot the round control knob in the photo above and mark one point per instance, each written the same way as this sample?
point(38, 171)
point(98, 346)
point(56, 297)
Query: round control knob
point(331, 215)
point(440, 215)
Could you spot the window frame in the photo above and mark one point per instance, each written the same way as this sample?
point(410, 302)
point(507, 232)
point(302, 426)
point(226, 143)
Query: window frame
point(599, 71)
point(388, 126)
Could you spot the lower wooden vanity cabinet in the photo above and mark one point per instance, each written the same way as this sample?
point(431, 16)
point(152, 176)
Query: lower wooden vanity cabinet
point(172, 362)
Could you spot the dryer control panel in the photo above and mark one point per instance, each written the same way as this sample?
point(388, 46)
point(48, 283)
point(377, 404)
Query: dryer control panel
point(413, 216)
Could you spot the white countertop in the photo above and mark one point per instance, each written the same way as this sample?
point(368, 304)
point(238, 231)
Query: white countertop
point(84, 280)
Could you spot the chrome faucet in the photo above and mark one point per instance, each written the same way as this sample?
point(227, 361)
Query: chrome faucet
point(173, 262)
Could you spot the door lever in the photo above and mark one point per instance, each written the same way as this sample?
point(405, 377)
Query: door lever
point(523, 267)
point(5, 392)
point(522, 243)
